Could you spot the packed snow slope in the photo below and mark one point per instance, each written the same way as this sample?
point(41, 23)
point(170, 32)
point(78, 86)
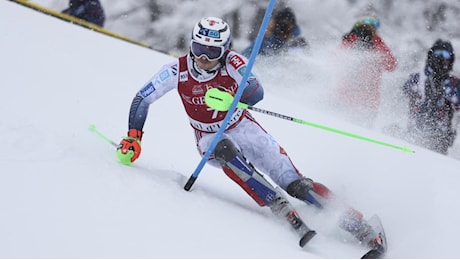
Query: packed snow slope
point(64, 195)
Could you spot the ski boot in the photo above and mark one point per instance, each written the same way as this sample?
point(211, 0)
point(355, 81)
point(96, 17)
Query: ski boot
point(367, 234)
point(282, 208)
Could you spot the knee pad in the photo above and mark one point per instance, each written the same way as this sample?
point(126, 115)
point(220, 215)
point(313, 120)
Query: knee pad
point(225, 151)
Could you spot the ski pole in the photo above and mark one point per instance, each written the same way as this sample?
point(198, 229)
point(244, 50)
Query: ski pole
point(220, 100)
point(239, 92)
point(93, 129)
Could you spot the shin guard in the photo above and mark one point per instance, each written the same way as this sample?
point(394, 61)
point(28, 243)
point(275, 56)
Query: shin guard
point(243, 173)
point(263, 192)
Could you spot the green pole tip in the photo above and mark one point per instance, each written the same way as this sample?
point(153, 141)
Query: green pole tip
point(407, 150)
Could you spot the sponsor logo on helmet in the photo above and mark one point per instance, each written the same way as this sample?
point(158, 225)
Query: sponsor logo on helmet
point(212, 22)
point(209, 33)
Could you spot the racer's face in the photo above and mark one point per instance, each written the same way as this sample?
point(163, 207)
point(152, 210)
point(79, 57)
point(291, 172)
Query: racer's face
point(204, 63)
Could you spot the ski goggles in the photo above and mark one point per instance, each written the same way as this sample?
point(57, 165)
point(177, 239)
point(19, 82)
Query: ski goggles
point(369, 21)
point(212, 53)
point(442, 53)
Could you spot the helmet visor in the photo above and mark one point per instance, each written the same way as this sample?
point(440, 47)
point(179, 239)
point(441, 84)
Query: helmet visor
point(212, 53)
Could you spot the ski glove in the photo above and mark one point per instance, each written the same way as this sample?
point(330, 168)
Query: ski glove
point(129, 148)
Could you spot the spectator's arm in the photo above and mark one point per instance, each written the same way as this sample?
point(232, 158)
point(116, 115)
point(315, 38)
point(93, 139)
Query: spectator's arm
point(389, 61)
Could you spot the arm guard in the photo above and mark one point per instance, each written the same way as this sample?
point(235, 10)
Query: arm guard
point(138, 113)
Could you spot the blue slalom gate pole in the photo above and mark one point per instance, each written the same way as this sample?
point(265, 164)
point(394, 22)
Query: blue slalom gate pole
point(237, 97)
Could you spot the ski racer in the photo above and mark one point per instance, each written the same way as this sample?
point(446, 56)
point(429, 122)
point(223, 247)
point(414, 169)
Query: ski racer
point(245, 147)
point(434, 97)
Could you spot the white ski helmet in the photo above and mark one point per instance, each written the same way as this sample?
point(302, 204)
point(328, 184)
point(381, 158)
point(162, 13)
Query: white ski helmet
point(211, 37)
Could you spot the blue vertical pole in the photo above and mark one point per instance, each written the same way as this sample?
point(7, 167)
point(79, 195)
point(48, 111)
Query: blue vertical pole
point(237, 97)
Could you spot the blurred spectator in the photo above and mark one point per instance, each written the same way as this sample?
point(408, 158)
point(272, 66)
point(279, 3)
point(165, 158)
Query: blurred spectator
point(366, 60)
point(434, 96)
point(88, 10)
point(282, 35)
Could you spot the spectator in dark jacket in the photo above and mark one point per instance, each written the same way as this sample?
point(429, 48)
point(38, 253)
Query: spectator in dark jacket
point(282, 35)
point(88, 10)
point(434, 98)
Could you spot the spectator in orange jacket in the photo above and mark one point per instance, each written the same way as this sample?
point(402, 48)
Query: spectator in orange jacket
point(359, 88)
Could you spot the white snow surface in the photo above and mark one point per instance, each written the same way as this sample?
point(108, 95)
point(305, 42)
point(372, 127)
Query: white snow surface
point(64, 195)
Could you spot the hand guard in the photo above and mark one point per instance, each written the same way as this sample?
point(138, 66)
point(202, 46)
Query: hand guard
point(129, 148)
